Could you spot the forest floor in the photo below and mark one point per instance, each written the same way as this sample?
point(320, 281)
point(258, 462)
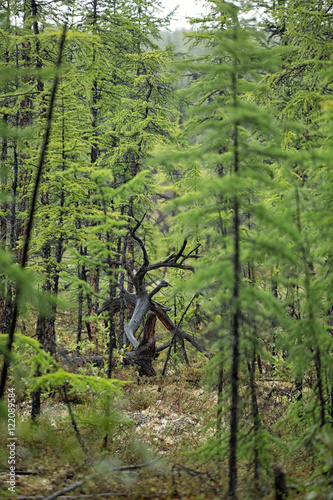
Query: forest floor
point(162, 444)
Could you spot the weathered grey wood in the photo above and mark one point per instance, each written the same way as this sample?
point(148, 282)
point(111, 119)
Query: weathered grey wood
point(141, 302)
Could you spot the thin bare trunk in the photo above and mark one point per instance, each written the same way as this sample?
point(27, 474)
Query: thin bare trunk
point(219, 404)
point(236, 307)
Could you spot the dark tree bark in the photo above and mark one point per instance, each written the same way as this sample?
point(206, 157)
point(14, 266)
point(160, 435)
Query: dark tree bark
point(281, 490)
point(94, 154)
point(93, 304)
point(4, 316)
point(219, 404)
point(320, 387)
point(256, 418)
point(235, 326)
point(46, 322)
point(80, 275)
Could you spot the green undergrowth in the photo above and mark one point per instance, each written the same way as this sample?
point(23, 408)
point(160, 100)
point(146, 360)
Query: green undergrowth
point(168, 422)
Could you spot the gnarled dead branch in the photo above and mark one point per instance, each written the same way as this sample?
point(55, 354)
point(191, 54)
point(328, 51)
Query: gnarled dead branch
point(141, 303)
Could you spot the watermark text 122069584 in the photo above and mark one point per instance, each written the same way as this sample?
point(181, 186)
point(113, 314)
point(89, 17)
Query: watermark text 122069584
point(11, 440)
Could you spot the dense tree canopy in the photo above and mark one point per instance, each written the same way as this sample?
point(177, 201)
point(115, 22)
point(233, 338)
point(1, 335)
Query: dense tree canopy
point(172, 197)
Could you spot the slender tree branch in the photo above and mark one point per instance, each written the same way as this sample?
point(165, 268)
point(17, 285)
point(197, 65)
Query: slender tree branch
point(74, 424)
point(178, 255)
point(161, 285)
point(69, 488)
point(77, 484)
point(187, 308)
point(142, 246)
point(181, 338)
point(176, 265)
point(189, 255)
point(162, 348)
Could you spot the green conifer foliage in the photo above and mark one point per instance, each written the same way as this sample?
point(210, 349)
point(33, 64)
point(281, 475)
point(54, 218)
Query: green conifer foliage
point(302, 90)
point(256, 208)
point(248, 223)
point(112, 107)
point(252, 191)
point(233, 137)
point(133, 112)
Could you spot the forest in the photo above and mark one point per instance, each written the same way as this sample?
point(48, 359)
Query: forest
point(166, 228)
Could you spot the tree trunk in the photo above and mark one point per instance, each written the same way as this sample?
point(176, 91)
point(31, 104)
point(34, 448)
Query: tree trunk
point(145, 352)
point(94, 285)
point(236, 307)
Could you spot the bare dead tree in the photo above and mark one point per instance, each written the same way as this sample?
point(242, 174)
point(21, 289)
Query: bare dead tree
point(142, 304)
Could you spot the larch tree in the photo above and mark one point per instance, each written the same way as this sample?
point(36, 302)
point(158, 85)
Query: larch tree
point(241, 161)
point(302, 90)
